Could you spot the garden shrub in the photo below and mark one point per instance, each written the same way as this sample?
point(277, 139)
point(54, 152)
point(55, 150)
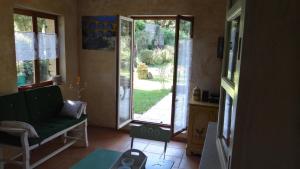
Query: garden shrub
point(145, 56)
point(162, 57)
point(142, 71)
point(142, 40)
point(169, 37)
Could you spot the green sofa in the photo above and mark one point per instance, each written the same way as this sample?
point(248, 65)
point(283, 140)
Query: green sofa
point(39, 107)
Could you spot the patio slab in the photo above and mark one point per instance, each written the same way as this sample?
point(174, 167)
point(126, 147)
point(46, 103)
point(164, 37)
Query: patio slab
point(159, 113)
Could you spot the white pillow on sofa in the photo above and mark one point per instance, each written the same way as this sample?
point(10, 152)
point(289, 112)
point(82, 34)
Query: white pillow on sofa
point(20, 125)
point(73, 108)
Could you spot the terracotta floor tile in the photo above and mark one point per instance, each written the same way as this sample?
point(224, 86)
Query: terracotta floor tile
point(189, 163)
point(114, 140)
point(154, 149)
point(142, 140)
point(157, 143)
point(139, 145)
point(175, 159)
point(177, 152)
point(175, 144)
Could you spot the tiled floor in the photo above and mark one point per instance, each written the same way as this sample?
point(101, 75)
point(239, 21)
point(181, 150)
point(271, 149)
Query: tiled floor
point(119, 141)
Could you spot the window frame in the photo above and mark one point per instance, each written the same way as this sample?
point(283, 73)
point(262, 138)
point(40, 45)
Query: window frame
point(230, 86)
point(35, 15)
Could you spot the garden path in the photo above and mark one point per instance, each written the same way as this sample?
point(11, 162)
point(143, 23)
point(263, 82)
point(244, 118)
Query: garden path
point(159, 113)
point(149, 84)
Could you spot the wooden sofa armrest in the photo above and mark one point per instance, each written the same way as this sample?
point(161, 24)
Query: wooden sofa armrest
point(84, 109)
point(23, 134)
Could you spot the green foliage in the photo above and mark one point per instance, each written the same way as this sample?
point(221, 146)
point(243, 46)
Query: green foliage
point(145, 99)
point(25, 72)
point(168, 24)
point(41, 23)
point(125, 48)
point(23, 23)
point(142, 71)
point(44, 70)
point(142, 40)
point(185, 30)
point(139, 25)
point(145, 56)
point(162, 57)
point(169, 37)
point(28, 69)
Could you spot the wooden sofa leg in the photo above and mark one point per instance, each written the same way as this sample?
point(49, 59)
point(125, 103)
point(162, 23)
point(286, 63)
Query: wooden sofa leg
point(85, 135)
point(1, 158)
point(64, 138)
point(25, 150)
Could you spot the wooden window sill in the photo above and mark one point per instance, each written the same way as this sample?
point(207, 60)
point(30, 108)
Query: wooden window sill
point(33, 86)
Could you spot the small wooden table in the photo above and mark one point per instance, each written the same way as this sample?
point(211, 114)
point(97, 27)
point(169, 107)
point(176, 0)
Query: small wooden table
point(200, 114)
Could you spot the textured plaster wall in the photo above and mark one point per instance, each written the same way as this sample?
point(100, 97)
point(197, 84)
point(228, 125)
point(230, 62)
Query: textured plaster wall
point(7, 61)
point(98, 67)
point(67, 12)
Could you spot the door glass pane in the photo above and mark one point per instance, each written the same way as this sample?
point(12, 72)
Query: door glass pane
point(125, 71)
point(183, 75)
point(47, 48)
point(24, 45)
point(227, 117)
point(232, 48)
point(153, 73)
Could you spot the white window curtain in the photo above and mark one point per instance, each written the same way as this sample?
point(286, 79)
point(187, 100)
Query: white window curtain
point(47, 46)
point(24, 44)
point(183, 82)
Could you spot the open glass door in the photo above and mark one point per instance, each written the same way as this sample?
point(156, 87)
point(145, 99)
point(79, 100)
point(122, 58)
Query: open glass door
point(125, 44)
point(183, 52)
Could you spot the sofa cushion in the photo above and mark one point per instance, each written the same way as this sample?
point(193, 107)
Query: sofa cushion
point(53, 125)
point(73, 109)
point(43, 103)
point(13, 107)
point(44, 129)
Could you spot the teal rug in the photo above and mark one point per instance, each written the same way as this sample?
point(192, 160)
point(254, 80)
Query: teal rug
point(99, 159)
point(104, 159)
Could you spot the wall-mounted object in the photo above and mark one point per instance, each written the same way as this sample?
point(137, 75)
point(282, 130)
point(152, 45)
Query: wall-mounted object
point(99, 32)
point(220, 48)
point(78, 86)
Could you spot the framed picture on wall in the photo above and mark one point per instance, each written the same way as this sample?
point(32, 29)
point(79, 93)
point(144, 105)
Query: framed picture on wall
point(99, 32)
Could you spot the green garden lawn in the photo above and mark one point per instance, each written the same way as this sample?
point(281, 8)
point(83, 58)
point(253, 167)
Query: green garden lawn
point(145, 99)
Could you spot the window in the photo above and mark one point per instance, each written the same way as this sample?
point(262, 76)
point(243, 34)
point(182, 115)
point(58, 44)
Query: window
point(36, 47)
point(229, 86)
point(232, 48)
point(227, 118)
